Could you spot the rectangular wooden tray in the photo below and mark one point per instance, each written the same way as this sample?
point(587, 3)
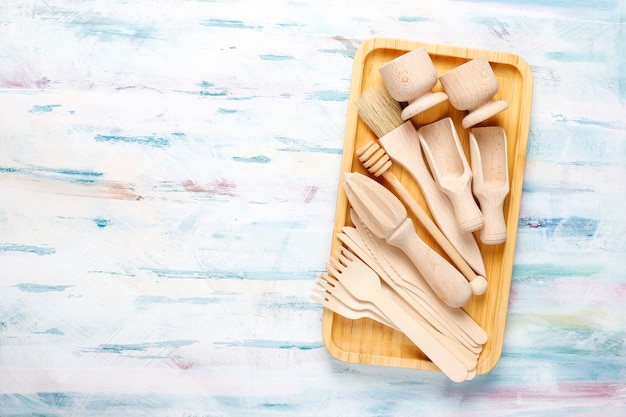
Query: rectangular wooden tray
point(366, 341)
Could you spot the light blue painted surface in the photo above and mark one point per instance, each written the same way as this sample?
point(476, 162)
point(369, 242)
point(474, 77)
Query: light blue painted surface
point(168, 173)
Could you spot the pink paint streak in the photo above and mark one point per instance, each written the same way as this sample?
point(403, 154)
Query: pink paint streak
point(310, 193)
point(564, 390)
point(218, 187)
point(41, 83)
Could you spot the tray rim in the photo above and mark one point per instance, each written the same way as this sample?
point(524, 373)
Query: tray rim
point(522, 130)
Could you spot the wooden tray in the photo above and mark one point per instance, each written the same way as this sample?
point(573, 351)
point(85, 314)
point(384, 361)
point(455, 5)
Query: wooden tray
point(366, 341)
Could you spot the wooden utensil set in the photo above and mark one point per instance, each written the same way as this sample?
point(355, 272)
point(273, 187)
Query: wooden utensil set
point(384, 270)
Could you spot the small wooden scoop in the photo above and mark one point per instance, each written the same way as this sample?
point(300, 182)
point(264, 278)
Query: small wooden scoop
point(490, 183)
point(385, 216)
point(451, 171)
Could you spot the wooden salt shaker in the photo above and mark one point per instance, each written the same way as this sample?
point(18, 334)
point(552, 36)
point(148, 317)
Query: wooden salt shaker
point(490, 180)
point(410, 78)
point(471, 87)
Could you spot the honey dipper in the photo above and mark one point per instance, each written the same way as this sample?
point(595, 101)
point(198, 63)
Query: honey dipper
point(377, 162)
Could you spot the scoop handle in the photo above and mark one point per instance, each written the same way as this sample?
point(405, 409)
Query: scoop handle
point(445, 280)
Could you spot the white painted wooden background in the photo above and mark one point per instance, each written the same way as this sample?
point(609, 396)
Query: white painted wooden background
point(168, 174)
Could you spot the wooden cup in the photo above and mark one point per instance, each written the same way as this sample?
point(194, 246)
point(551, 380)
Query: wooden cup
point(410, 78)
point(471, 87)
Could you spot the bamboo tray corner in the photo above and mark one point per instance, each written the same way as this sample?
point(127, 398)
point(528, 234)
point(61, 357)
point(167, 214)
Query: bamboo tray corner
point(366, 341)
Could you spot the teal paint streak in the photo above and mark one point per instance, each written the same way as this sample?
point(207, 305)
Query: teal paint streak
point(547, 271)
point(234, 275)
point(44, 108)
point(147, 300)
point(348, 53)
point(413, 19)
point(589, 122)
point(329, 95)
point(37, 250)
point(228, 24)
point(576, 57)
point(259, 159)
point(101, 223)
point(567, 226)
point(295, 145)
point(207, 89)
point(569, 4)
point(273, 344)
point(139, 347)
point(154, 141)
point(38, 288)
point(272, 57)
point(53, 331)
point(226, 111)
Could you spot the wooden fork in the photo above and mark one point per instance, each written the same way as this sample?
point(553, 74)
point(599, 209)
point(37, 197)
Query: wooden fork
point(364, 284)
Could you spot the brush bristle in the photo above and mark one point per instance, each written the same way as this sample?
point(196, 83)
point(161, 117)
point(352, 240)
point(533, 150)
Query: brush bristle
point(379, 111)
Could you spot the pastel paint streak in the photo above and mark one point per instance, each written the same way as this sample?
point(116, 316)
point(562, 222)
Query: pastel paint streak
point(348, 53)
point(233, 274)
point(47, 108)
point(576, 57)
point(101, 223)
point(151, 140)
point(413, 19)
point(568, 226)
point(53, 331)
point(272, 57)
point(258, 159)
point(584, 121)
point(110, 29)
point(220, 186)
point(529, 273)
point(296, 145)
point(138, 347)
point(37, 250)
point(38, 288)
point(88, 175)
point(272, 344)
point(569, 4)
point(228, 24)
point(222, 110)
point(40, 83)
point(311, 191)
point(149, 300)
point(329, 95)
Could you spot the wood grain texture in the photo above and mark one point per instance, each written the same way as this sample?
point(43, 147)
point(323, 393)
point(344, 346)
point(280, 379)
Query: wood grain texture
point(168, 179)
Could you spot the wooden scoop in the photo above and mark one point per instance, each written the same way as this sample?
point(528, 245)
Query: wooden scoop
point(385, 216)
point(451, 171)
point(490, 183)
